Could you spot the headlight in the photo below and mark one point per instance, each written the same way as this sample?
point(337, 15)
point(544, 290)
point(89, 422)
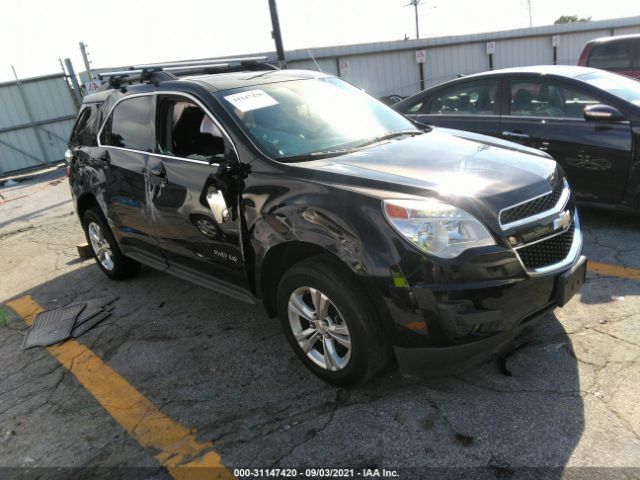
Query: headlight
point(437, 228)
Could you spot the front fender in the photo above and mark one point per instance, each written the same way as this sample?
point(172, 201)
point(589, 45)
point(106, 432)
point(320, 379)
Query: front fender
point(352, 230)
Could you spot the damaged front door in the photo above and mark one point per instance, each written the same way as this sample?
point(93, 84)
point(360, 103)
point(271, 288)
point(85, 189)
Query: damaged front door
point(195, 191)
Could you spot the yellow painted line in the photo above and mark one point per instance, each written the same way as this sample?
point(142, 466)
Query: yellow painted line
point(613, 270)
point(178, 449)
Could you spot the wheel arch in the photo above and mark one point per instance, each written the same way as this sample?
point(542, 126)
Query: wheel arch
point(282, 257)
point(85, 202)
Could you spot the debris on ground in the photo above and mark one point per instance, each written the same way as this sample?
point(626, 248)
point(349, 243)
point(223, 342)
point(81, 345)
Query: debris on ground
point(84, 251)
point(58, 324)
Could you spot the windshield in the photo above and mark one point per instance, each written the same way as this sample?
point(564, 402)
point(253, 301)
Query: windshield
point(311, 117)
point(624, 87)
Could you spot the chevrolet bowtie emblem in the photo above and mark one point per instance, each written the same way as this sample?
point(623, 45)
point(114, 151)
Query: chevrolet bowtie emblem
point(563, 220)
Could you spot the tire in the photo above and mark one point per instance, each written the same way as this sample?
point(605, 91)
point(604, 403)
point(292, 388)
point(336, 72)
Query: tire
point(368, 351)
point(112, 262)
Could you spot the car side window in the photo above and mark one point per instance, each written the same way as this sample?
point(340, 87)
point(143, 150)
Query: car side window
point(130, 125)
point(473, 98)
point(548, 99)
point(185, 130)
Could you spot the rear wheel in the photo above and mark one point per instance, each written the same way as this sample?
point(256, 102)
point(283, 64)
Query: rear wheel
point(105, 249)
point(330, 324)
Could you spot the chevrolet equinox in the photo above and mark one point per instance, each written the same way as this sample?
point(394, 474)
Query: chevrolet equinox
point(368, 237)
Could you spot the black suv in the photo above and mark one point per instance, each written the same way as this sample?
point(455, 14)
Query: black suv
point(366, 236)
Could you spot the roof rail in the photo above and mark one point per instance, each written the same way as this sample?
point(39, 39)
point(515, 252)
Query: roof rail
point(156, 72)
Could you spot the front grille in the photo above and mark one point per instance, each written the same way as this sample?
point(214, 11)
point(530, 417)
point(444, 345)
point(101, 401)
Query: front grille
point(539, 205)
point(547, 252)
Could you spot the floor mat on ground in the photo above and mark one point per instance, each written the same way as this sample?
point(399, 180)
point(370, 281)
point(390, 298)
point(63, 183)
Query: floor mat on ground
point(90, 323)
point(52, 326)
point(72, 320)
point(94, 306)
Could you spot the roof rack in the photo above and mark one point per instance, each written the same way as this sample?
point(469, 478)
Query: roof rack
point(157, 72)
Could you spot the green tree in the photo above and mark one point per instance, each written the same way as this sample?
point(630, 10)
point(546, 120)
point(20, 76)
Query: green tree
point(571, 19)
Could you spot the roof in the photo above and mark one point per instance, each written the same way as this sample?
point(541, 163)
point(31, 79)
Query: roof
point(616, 38)
point(227, 81)
point(217, 82)
point(571, 71)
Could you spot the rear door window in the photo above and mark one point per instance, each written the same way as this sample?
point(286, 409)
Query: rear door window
point(472, 98)
point(130, 125)
point(613, 55)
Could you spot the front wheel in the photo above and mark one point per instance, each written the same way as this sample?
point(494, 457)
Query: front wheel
point(105, 249)
point(330, 324)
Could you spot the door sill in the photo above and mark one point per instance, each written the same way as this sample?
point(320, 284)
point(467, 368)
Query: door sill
point(216, 285)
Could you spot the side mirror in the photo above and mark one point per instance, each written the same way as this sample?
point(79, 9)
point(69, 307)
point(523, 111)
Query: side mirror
point(603, 113)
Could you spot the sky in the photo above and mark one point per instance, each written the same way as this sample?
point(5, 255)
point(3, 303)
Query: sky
point(34, 34)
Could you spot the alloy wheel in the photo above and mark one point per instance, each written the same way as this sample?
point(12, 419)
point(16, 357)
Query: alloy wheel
point(100, 245)
point(319, 328)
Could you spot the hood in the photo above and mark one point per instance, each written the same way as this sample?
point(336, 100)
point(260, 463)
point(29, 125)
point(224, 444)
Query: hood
point(450, 164)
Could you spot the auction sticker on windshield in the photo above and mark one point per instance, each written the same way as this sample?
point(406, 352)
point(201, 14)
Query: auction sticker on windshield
point(251, 100)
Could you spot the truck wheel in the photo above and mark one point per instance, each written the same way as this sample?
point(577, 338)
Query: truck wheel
point(330, 324)
point(105, 249)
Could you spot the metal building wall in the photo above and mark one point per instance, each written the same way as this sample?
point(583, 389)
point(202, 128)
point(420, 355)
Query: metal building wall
point(523, 51)
point(385, 68)
point(327, 65)
point(36, 132)
point(390, 67)
point(447, 62)
point(383, 73)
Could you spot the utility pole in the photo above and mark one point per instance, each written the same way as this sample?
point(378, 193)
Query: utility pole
point(530, 16)
point(74, 81)
point(85, 57)
point(276, 34)
point(415, 4)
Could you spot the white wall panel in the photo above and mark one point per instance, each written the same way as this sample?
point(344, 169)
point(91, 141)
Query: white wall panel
point(523, 51)
point(445, 63)
point(384, 73)
point(327, 65)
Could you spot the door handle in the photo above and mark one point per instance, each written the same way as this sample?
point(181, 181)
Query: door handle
point(515, 134)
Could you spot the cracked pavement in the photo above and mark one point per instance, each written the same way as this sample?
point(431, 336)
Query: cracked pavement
point(568, 397)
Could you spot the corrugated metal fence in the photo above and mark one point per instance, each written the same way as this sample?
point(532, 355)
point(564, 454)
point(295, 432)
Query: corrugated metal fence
point(36, 116)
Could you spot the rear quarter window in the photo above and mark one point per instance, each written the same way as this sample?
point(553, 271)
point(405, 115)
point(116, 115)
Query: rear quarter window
point(614, 55)
point(84, 131)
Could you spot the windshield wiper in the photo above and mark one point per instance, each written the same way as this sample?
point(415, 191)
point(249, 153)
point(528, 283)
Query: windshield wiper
point(336, 152)
point(389, 136)
point(318, 155)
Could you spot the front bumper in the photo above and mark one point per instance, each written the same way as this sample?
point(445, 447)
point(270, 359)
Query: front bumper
point(470, 326)
point(466, 323)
